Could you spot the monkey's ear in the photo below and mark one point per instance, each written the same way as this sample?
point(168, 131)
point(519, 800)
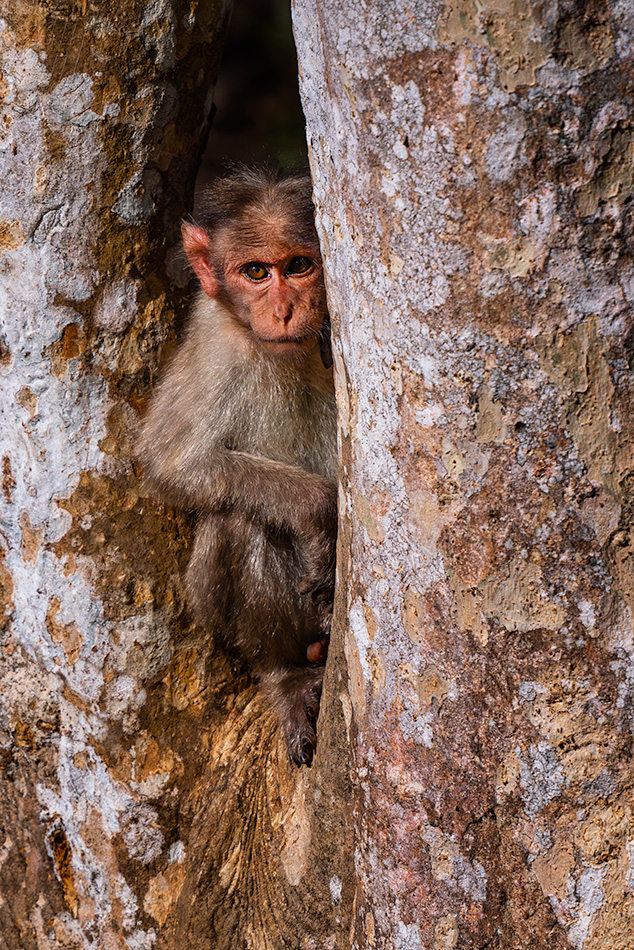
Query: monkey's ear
point(198, 249)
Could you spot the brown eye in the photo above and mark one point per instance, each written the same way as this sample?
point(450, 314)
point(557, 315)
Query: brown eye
point(299, 265)
point(255, 271)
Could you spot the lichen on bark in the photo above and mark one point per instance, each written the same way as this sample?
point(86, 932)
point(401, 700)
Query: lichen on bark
point(474, 206)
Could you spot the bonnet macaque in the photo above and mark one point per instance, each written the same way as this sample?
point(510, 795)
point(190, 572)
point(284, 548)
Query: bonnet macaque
point(242, 431)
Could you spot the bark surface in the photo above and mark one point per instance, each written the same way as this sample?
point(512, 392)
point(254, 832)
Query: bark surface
point(473, 175)
point(146, 797)
point(104, 109)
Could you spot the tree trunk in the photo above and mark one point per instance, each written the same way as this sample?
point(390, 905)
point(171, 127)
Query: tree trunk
point(473, 175)
point(104, 109)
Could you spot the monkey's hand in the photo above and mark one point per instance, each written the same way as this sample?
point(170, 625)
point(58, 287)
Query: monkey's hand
point(318, 538)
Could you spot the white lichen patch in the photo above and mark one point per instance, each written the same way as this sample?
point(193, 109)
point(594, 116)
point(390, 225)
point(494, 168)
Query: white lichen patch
point(450, 865)
point(541, 777)
point(52, 421)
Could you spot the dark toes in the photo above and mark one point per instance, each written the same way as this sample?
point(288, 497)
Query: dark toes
point(301, 751)
point(306, 754)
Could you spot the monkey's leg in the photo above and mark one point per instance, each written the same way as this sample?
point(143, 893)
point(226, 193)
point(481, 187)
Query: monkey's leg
point(208, 579)
point(295, 695)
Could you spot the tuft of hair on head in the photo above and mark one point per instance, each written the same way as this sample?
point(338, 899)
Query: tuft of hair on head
point(250, 199)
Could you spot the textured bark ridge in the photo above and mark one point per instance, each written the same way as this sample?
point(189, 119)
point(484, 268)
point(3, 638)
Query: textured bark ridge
point(473, 174)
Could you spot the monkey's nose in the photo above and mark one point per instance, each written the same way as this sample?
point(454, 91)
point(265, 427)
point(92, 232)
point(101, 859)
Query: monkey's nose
point(283, 315)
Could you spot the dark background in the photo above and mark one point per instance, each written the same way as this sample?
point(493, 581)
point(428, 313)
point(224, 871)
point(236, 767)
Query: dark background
point(258, 115)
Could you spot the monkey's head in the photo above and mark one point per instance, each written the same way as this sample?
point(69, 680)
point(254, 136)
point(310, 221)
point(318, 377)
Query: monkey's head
point(256, 251)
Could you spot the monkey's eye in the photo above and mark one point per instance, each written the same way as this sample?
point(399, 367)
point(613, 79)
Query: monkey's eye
point(299, 265)
point(255, 271)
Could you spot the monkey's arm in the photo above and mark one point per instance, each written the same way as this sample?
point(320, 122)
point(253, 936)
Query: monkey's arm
point(276, 493)
point(279, 493)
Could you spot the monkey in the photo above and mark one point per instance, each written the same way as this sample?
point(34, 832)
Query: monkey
point(241, 431)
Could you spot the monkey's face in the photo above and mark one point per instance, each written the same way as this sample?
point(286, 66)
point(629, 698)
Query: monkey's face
point(271, 285)
point(281, 297)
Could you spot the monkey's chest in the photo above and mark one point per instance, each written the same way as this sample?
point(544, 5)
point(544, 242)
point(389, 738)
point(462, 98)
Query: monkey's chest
point(297, 427)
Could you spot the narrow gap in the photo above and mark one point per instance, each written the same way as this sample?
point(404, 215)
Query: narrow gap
point(258, 111)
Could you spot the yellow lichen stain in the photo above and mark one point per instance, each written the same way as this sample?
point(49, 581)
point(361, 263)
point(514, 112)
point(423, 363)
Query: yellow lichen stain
point(621, 561)
point(507, 777)
point(578, 739)
point(563, 357)
point(453, 461)
point(491, 425)
point(32, 539)
point(163, 892)
point(432, 685)
point(614, 177)
point(151, 760)
point(67, 635)
point(576, 361)
point(590, 413)
point(602, 513)
point(342, 392)
point(11, 235)
point(142, 592)
point(506, 27)
point(377, 671)
point(370, 621)
point(81, 760)
point(356, 678)
point(408, 681)
point(518, 258)
point(598, 836)
point(121, 431)
point(428, 518)
point(442, 852)
point(468, 612)
point(28, 400)
point(473, 554)
point(412, 613)
point(70, 346)
point(6, 593)
point(446, 933)
point(396, 374)
point(368, 518)
point(519, 601)
point(41, 177)
point(24, 735)
point(185, 681)
point(553, 869)
point(370, 929)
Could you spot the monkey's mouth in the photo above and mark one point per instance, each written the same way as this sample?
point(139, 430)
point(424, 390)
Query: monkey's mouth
point(286, 340)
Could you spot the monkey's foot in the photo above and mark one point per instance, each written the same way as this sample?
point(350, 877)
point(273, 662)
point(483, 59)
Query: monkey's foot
point(295, 694)
point(299, 727)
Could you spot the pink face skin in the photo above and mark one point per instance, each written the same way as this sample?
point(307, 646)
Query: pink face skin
point(274, 289)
